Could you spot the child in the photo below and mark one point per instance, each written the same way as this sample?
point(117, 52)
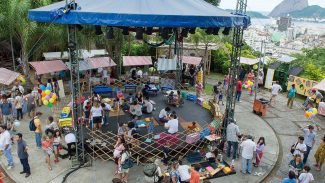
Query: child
point(47, 146)
point(192, 127)
point(199, 89)
point(120, 130)
point(56, 144)
point(151, 129)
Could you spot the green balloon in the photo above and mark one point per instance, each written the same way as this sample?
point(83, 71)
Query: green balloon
point(50, 105)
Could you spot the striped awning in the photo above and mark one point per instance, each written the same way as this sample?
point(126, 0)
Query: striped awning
point(101, 62)
point(248, 61)
point(191, 60)
point(8, 76)
point(44, 67)
point(136, 60)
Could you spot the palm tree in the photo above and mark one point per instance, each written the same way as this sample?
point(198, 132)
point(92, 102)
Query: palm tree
point(33, 38)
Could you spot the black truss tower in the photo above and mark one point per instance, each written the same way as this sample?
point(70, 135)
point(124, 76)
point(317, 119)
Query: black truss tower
point(237, 44)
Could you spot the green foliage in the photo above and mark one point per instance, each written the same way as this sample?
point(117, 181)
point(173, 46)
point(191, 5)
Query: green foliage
point(313, 72)
point(137, 49)
point(221, 57)
point(313, 62)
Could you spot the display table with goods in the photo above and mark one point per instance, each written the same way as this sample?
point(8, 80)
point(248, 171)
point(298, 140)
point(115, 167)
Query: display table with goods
point(212, 170)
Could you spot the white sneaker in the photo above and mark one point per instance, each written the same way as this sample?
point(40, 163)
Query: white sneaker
point(9, 167)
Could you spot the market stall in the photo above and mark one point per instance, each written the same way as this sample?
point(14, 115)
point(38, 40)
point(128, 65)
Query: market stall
point(7, 77)
point(50, 67)
point(321, 86)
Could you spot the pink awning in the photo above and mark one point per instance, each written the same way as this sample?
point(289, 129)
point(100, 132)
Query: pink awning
point(8, 76)
point(136, 60)
point(191, 60)
point(248, 61)
point(44, 67)
point(101, 62)
point(320, 86)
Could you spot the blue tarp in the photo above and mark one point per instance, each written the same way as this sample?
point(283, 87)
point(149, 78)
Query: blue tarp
point(140, 13)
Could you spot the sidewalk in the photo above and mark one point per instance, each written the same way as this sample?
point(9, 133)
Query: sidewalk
point(101, 171)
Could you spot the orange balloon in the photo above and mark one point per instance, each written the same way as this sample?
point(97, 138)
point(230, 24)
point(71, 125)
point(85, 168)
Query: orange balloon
point(43, 94)
point(54, 103)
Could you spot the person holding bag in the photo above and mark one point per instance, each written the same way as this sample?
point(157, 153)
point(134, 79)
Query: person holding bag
point(259, 151)
point(125, 163)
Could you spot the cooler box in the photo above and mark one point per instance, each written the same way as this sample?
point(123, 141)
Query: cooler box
point(192, 138)
point(260, 106)
point(191, 97)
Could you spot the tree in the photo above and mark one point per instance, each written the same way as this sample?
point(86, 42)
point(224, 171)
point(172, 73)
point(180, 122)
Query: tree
point(32, 37)
point(213, 2)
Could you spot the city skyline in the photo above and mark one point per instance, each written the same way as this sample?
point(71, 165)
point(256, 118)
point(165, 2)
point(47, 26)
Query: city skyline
point(262, 6)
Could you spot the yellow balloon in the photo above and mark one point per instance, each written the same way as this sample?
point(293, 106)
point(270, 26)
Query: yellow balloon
point(45, 102)
point(54, 96)
point(47, 92)
point(315, 111)
point(51, 100)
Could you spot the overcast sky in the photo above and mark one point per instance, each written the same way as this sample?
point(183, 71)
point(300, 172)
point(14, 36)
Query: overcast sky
point(263, 5)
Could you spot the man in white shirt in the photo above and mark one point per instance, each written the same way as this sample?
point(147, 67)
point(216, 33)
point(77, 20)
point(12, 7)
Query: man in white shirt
point(249, 147)
point(276, 88)
point(5, 145)
point(306, 176)
point(70, 139)
point(163, 115)
point(184, 172)
point(232, 139)
point(300, 147)
point(172, 125)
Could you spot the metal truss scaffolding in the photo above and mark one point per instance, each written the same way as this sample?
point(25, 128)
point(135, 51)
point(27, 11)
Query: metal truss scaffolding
point(234, 67)
point(75, 86)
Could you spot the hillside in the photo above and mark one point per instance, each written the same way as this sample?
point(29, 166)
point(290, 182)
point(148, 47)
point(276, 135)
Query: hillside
point(309, 12)
point(288, 6)
point(254, 14)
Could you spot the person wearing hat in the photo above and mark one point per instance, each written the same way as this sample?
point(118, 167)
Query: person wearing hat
point(318, 96)
point(291, 95)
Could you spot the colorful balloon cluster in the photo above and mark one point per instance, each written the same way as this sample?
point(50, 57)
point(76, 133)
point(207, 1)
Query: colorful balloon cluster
point(248, 85)
point(48, 98)
point(311, 112)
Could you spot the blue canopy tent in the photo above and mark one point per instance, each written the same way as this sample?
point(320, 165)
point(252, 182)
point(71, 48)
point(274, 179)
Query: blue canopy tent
point(140, 13)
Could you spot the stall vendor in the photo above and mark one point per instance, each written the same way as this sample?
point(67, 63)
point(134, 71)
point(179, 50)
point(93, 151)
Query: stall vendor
point(163, 115)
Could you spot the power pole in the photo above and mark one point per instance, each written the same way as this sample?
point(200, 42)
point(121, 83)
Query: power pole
point(237, 44)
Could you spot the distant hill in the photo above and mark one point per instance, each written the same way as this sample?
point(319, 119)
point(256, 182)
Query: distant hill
point(287, 7)
point(252, 14)
point(309, 12)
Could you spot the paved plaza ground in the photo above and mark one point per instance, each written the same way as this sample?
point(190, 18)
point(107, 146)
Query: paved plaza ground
point(280, 127)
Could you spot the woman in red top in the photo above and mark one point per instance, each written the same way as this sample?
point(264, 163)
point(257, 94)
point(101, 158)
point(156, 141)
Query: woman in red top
point(47, 146)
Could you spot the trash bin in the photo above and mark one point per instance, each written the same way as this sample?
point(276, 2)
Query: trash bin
point(260, 106)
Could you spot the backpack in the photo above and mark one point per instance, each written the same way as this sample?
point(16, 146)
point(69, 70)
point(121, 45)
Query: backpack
point(128, 163)
point(32, 126)
point(150, 169)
